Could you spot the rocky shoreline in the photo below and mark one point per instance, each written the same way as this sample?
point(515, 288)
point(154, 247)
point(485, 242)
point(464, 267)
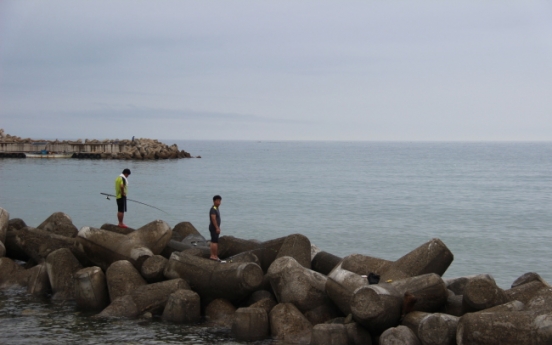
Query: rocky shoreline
point(127, 149)
point(284, 288)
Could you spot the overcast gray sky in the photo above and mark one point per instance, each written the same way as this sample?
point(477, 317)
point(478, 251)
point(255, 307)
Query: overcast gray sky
point(277, 70)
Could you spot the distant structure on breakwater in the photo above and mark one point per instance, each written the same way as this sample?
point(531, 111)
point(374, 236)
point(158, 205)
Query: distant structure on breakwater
point(142, 148)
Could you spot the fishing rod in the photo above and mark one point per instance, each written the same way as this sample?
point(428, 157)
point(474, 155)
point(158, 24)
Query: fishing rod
point(139, 202)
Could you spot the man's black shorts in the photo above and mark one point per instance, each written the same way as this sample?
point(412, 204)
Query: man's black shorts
point(214, 236)
point(121, 204)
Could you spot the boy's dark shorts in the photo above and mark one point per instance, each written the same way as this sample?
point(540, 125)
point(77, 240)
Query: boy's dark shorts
point(214, 236)
point(121, 204)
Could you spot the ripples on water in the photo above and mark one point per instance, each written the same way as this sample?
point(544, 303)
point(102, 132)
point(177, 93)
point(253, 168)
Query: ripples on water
point(30, 320)
point(490, 203)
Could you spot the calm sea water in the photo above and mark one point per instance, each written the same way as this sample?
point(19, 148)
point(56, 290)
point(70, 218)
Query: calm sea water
point(490, 203)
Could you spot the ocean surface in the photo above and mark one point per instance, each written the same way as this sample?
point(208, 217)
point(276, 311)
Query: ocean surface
point(490, 203)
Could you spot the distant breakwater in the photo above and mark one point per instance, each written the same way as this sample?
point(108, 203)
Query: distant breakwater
point(135, 148)
point(285, 288)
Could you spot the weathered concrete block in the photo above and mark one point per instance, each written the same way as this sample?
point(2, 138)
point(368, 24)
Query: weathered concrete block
point(13, 250)
point(150, 298)
point(2, 250)
point(377, 307)
point(183, 306)
point(357, 334)
point(505, 328)
point(230, 246)
point(364, 265)
point(61, 266)
point(205, 276)
point(527, 278)
point(260, 295)
point(288, 324)
point(103, 247)
point(454, 305)
point(59, 223)
point(541, 302)
point(482, 293)
point(298, 247)
point(250, 324)
point(429, 290)
point(4, 220)
point(38, 244)
point(458, 284)
point(91, 289)
point(399, 335)
point(329, 334)
point(38, 282)
point(220, 312)
point(9, 273)
point(183, 230)
point(15, 224)
point(340, 286)
point(153, 267)
point(324, 262)
point(122, 278)
point(525, 292)
point(266, 303)
point(293, 283)
point(431, 257)
point(506, 307)
point(432, 329)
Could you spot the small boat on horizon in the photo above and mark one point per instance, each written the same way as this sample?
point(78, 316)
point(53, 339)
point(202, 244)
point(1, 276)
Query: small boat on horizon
point(48, 154)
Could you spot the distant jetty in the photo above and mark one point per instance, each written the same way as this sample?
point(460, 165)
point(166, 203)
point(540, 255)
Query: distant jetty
point(139, 148)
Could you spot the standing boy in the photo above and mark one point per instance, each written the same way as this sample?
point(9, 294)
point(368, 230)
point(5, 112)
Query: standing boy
point(214, 227)
point(121, 189)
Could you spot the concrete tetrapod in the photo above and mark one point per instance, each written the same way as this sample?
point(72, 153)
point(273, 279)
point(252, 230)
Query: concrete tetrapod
point(220, 312)
point(377, 307)
point(150, 298)
point(364, 265)
point(91, 289)
point(38, 244)
point(61, 266)
point(122, 278)
point(38, 283)
point(429, 290)
point(298, 247)
point(340, 286)
point(59, 223)
point(324, 262)
point(432, 329)
point(183, 306)
point(250, 324)
point(505, 328)
point(104, 247)
point(153, 267)
point(211, 279)
point(293, 283)
point(4, 220)
point(431, 257)
point(287, 323)
point(483, 293)
point(399, 335)
point(329, 334)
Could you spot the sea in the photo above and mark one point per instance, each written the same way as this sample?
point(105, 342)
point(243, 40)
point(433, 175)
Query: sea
point(489, 202)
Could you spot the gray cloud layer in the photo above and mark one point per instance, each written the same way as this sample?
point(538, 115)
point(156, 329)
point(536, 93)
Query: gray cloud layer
point(278, 70)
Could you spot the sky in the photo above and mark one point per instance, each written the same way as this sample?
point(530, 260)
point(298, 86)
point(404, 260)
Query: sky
point(277, 70)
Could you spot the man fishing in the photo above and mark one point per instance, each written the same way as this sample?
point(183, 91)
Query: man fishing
point(121, 189)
